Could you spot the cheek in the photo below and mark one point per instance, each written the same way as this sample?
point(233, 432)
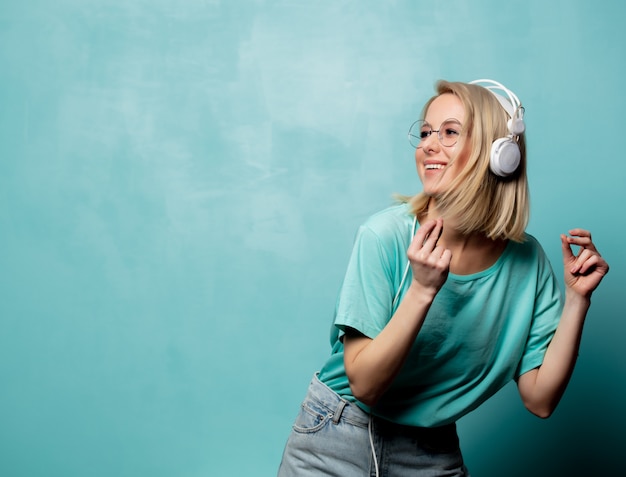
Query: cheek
point(461, 154)
point(419, 164)
point(419, 159)
point(418, 155)
point(455, 150)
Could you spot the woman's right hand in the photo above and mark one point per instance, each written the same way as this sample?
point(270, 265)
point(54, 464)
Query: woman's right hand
point(430, 262)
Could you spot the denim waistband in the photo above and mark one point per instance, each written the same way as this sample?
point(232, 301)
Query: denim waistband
point(340, 407)
point(388, 428)
point(344, 409)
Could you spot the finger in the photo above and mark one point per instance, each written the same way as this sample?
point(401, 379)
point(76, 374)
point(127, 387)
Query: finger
point(579, 262)
point(446, 258)
point(588, 265)
point(427, 235)
point(584, 242)
point(437, 262)
point(423, 232)
point(581, 238)
point(433, 237)
point(419, 237)
point(568, 255)
point(580, 233)
point(436, 254)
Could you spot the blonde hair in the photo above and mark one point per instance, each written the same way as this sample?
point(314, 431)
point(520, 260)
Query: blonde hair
point(479, 200)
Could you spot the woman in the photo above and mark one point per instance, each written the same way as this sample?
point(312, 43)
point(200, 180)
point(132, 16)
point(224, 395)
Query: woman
point(416, 346)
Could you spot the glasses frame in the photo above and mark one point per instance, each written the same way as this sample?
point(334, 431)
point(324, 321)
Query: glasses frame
point(419, 139)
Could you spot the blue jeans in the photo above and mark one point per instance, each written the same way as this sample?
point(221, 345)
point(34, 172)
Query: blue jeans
point(331, 437)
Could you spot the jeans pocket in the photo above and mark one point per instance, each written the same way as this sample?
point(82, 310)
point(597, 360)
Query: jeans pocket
point(312, 417)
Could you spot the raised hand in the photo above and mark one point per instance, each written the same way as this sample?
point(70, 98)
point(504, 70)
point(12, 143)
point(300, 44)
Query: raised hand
point(582, 272)
point(430, 262)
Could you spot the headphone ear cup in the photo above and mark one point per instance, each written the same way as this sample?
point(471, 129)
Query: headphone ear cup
point(505, 157)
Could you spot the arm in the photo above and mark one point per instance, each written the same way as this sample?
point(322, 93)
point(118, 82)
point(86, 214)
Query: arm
point(542, 388)
point(372, 364)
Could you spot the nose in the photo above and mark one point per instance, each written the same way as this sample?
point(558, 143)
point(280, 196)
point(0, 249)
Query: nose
point(430, 142)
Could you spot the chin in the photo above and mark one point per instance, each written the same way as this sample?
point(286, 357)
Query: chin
point(432, 191)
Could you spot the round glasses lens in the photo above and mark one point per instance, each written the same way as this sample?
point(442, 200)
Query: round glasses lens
point(449, 132)
point(417, 132)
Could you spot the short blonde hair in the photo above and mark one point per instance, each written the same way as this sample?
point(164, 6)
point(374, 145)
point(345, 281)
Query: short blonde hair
point(481, 201)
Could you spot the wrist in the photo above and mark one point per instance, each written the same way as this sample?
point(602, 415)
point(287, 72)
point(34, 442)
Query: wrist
point(422, 293)
point(577, 300)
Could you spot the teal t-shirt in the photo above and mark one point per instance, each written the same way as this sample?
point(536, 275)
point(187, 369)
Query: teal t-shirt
point(482, 330)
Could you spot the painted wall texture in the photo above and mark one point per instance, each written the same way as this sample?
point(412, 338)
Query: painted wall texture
point(180, 185)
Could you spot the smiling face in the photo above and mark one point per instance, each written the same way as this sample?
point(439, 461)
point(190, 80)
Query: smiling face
point(437, 164)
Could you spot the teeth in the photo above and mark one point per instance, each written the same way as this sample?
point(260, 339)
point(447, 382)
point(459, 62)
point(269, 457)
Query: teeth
point(434, 166)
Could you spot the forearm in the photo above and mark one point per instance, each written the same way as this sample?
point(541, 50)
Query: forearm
point(372, 365)
point(545, 386)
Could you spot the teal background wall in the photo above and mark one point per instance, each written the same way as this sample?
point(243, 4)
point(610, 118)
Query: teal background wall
point(180, 184)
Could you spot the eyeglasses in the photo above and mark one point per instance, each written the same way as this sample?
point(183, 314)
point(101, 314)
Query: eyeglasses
point(448, 133)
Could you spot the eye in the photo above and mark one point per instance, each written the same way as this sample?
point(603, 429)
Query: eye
point(450, 130)
point(451, 133)
point(425, 132)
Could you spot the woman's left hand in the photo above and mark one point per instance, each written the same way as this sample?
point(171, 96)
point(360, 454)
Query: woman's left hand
point(582, 272)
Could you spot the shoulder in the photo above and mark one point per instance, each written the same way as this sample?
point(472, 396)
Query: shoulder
point(389, 222)
point(529, 247)
point(529, 253)
point(387, 233)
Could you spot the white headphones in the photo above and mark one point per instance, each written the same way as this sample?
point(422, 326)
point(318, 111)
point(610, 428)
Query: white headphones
point(505, 152)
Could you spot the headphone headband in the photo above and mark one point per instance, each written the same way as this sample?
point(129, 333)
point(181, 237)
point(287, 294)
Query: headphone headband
point(511, 103)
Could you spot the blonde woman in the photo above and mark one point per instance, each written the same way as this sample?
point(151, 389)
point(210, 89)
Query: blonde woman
point(445, 300)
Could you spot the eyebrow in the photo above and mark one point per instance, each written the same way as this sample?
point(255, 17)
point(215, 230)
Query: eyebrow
point(444, 121)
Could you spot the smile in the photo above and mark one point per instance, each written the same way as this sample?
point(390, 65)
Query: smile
point(429, 167)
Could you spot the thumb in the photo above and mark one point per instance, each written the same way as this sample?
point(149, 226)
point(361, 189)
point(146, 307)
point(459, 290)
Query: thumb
point(568, 255)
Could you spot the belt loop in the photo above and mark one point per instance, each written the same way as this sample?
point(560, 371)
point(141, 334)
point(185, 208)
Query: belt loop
point(339, 410)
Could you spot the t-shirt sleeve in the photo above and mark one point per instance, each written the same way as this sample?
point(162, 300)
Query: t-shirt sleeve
point(547, 313)
point(366, 295)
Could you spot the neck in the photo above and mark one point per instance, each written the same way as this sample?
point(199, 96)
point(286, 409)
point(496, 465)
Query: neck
point(471, 253)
